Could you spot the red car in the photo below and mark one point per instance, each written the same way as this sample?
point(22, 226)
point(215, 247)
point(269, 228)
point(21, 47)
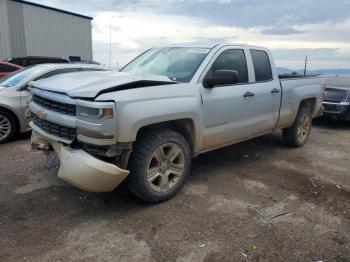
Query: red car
point(6, 68)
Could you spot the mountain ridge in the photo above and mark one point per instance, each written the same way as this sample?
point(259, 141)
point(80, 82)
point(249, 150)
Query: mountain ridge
point(336, 71)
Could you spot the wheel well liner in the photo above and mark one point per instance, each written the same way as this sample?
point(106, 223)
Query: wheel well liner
point(308, 102)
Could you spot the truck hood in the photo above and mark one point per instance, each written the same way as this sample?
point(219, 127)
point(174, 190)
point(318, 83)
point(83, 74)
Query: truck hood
point(91, 84)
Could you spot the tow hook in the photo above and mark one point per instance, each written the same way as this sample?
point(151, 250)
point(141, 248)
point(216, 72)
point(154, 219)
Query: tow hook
point(41, 147)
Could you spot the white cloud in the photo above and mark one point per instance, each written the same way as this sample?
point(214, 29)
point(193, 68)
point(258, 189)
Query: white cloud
point(134, 31)
point(295, 26)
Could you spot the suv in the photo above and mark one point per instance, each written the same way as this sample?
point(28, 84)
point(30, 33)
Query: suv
point(35, 60)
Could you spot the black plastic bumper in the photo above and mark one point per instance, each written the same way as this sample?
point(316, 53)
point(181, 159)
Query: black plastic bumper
point(336, 111)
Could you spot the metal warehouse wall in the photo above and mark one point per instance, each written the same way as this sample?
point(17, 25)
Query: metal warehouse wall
point(36, 31)
point(4, 30)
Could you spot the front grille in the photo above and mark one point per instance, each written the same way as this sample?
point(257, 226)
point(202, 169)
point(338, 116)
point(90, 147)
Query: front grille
point(67, 133)
point(330, 108)
point(59, 107)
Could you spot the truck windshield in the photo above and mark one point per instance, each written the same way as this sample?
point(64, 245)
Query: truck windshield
point(177, 63)
point(18, 76)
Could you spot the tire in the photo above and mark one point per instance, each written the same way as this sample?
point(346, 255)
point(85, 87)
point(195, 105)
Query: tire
point(159, 164)
point(8, 127)
point(298, 134)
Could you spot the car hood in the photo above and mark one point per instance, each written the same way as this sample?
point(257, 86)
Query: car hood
point(91, 84)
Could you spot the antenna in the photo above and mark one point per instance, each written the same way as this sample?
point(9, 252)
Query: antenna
point(305, 65)
point(110, 45)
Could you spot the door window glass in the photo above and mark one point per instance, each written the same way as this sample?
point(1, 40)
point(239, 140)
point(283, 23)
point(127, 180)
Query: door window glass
point(262, 65)
point(232, 59)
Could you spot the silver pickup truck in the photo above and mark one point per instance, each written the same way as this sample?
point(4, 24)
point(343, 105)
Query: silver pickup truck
point(170, 104)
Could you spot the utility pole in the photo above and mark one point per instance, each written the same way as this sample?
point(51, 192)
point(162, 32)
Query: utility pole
point(110, 45)
point(305, 66)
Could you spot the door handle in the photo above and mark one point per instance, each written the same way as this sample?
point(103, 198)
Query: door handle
point(275, 91)
point(248, 94)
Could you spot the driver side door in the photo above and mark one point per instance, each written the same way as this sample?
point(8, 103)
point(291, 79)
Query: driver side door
point(227, 109)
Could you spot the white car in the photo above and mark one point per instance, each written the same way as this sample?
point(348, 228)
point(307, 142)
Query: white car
point(14, 95)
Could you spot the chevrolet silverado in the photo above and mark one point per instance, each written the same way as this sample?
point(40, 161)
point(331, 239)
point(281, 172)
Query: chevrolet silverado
point(145, 123)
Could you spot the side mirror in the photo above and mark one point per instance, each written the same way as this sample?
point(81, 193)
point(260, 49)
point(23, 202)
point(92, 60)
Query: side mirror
point(220, 78)
point(23, 88)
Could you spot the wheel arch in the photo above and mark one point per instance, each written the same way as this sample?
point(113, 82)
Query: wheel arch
point(186, 127)
point(310, 103)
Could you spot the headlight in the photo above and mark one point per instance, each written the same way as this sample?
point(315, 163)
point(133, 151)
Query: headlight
point(96, 120)
point(96, 113)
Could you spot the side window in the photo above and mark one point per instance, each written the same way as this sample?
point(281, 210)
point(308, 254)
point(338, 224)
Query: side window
point(33, 61)
point(57, 72)
point(262, 65)
point(43, 60)
point(17, 61)
point(89, 69)
point(232, 59)
point(7, 68)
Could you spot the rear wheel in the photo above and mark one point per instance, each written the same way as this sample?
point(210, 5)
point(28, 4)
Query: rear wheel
point(158, 165)
point(8, 126)
point(299, 132)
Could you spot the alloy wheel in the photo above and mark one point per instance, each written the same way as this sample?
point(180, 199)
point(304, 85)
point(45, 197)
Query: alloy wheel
point(165, 167)
point(304, 128)
point(5, 127)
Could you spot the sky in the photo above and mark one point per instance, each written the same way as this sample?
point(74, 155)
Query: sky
point(291, 29)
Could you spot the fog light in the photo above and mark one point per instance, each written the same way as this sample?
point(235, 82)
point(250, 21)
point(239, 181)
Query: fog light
point(93, 134)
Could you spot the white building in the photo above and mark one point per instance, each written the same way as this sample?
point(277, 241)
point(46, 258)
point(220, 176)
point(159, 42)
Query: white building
point(30, 29)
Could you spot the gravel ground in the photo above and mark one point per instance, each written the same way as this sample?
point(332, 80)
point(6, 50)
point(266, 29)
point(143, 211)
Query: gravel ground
point(227, 211)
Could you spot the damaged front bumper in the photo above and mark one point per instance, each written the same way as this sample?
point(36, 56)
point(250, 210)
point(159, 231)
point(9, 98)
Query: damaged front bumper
point(79, 168)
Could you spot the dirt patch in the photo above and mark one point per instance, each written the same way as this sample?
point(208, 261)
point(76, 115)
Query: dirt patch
point(254, 185)
point(99, 241)
point(226, 211)
point(196, 189)
point(41, 180)
point(236, 206)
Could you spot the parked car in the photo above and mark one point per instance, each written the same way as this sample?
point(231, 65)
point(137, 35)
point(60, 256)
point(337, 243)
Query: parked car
point(336, 102)
point(14, 95)
point(145, 123)
point(86, 62)
point(35, 60)
point(6, 68)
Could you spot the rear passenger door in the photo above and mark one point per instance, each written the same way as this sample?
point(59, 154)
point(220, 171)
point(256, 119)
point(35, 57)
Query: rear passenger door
point(227, 109)
point(267, 93)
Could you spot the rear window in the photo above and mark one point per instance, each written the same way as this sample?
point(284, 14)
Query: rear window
point(262, 65)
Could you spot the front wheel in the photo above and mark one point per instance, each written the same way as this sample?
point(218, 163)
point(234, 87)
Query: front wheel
point(8, 127)
point(299, 132)
point(158, 165)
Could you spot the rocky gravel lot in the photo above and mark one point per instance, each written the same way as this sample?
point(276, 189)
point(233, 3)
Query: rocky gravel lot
point(254, 201)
